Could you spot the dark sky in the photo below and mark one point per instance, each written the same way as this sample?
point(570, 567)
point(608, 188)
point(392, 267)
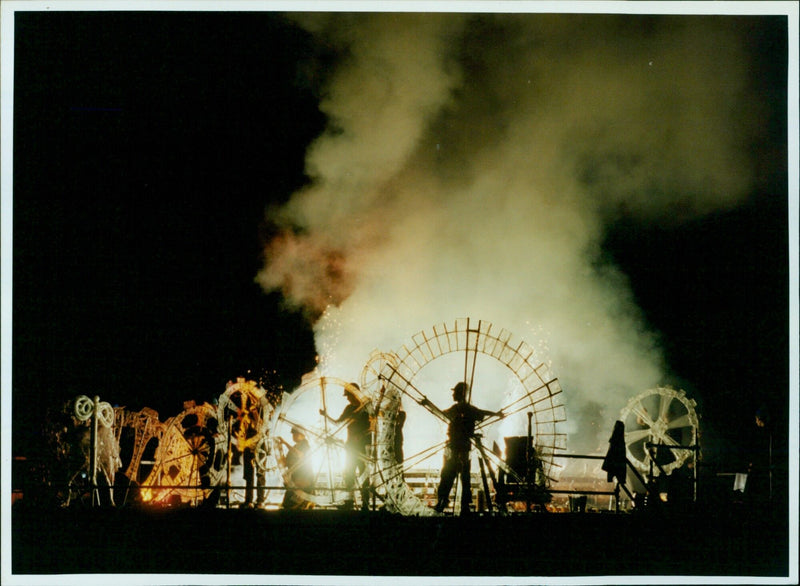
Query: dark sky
point(146, 149)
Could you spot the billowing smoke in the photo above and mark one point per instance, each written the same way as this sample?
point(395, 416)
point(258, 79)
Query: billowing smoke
point(472, 162)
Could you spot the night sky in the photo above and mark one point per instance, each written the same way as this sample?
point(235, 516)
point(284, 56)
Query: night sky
point(146, 155)
point(148, 147)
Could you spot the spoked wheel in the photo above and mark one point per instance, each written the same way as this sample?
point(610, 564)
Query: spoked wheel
point(184, 457)
point(244, 414)
point(501, 374)
point(327, 453)
point(660, 416)
point(371, 381)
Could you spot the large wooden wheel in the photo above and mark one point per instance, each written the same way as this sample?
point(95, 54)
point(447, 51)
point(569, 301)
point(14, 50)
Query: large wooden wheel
point(501, 373)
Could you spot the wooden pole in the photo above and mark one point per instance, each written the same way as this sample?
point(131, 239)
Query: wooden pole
point(528, 462)
point(93, 452)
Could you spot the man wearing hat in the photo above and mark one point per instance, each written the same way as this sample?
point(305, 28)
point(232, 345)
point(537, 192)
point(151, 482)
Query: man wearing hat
point(359, 438)
point(462, 418)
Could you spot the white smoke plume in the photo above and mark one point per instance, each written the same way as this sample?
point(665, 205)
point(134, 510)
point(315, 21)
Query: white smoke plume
point(472, 162)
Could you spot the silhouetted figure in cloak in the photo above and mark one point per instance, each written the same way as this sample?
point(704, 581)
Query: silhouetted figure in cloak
point(615, 462)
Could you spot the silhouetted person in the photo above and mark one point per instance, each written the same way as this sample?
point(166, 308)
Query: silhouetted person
point(359, 438)
point(615, 462)
point(244, 417)
point(399, 423)
point(462, 418)
point(759, 461)
point(680, 488)
point(299, 479)
point(210, 473)
point(200, 439)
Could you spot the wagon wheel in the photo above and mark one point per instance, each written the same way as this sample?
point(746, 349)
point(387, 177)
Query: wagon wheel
point(327, 452)
point(243, 411)
point(660, 415)
point(502, 375)
point(184, 457)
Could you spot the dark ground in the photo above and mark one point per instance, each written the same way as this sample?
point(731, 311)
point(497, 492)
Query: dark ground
point(727, 542)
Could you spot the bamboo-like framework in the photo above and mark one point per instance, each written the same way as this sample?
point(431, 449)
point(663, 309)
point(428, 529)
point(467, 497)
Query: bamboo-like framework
point(472, 338)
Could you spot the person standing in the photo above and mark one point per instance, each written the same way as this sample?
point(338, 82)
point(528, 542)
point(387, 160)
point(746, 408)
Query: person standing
point(758, 489)
point(462, 417)
point(359, 439)
point(615, 463)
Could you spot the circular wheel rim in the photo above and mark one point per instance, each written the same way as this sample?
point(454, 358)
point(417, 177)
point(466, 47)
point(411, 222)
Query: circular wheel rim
point(372, 372)
point(540, 391)
point(184, 454)
point(661, 415)
point(326, 439)
point(245, 402)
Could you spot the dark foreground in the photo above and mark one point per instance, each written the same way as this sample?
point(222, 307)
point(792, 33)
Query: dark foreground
point(192, 541)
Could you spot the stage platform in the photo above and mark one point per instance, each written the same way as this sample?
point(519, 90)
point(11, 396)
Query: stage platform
point(730, 542)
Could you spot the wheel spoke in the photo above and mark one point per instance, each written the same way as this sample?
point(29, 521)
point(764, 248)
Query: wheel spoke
point(176, 458)
point(666, 439)
point(682, 421)
point(192, 480)
point(186, 441)
point(323, 436)
point(663, 410)
point(422, 455)
point(636, 435)
point(327, 435)
point(306, 430)
point(330, 473)
point(322, 464)
point(642, 414)
point(508, 412)
point(420, 399)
